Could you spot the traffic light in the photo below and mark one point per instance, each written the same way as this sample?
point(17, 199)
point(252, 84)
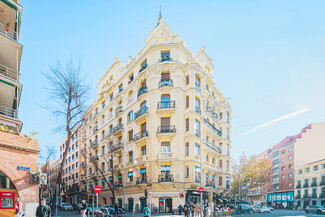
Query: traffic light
point(145, 193)
point(205, 195)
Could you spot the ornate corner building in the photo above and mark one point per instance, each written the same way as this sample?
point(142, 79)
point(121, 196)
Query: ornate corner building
point(153, 121)
point(19, 154)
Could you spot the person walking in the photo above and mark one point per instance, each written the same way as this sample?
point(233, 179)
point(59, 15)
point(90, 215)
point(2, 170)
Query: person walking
point(146, 211)
point(83, 209)
point(197, 210)
point(180, 207)
point(19, 208)
point(43, 210)
point(186, 210)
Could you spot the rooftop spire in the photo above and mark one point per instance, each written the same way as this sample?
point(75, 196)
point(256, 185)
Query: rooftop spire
point(159, 18)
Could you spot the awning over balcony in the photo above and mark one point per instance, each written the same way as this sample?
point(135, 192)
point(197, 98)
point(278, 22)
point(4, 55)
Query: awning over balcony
point(165, 168)
point(143, 171)
point(130, 174)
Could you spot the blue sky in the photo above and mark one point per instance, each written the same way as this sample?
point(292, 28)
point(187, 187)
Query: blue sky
point(268, 55)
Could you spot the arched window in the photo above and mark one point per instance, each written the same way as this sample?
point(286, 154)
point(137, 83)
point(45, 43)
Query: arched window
point(103, 119)
point(197, 83)
point(130, 96)
point(111, 112)
point(103, 134)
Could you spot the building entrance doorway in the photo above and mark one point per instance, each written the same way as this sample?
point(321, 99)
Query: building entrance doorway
point(142, 203)
point(130, 200)
point(165, 205)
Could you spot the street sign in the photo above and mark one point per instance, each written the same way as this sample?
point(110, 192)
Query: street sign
point(150, 192)
point(181, 195)
point(97, 189)
point(23, 168)
point(201, 189)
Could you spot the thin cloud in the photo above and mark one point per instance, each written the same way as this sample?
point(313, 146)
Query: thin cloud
point(284, 117)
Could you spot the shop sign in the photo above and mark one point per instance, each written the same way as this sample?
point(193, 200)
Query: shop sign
point(24, 168)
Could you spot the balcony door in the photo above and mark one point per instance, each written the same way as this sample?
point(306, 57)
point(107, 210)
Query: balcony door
point(165, 76)
point(143, 128)
point(143, 107)
point(165, 101)
point(164, 173)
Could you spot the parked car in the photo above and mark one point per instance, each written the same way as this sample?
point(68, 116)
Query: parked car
point(61, 204)
point(90, 208)
point(264, 210)
point(315, 209)
point(256, 208)
point(66, 207)
point(270, 208)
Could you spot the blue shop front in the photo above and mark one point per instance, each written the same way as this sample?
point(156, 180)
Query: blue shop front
point(281, 200)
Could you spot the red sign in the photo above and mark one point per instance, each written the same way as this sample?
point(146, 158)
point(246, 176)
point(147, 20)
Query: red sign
point(150, 192)
point(97, 189)
point(181, 195)
point(201, 190)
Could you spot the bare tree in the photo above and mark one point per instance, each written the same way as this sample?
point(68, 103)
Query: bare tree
point(68, 94)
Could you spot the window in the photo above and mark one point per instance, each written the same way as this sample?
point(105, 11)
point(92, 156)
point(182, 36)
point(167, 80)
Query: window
point(220, 180)
point(283, 168)
point(213, 160)
point(130, 176)
point(165, 147)
point(220, 115)
point(96, 111)
point(111, 97)
point(103, 134)
point(290, 149)
point(307, 170)
point(187, 101)
point(131, 78)
point(197, 106)
point(220, 147)
point(290, 185)
point(197, 149)
point(187, 149)
point(187, 80)
point(76, 155)
point(143, 151)
point(283, 186)
point(300, 172)
point(130, 116)
point(228, 164)
point(290, 175)
point(290, 166)
point(228, 149)
point(315, 168)
point(187, 172)
point(197, 127)
point(290, 158)
point(143, 66)
point(165, 56)
point(103, 104)
point(283, 160)
point(187, 121)
point(220, 163)
point(197, 83)
point(283, 177)
point(207, 87)
point(130, 135)
point(130, 156)
point(207, 158)
point(120, 88)
point(283, 151)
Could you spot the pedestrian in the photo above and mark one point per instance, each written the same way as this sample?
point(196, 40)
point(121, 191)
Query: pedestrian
point(83, 209)
point(19, 208)
point(186, 210)
point(197, 210)
point(43, 210)
point(146, 211)
point(116, 209)
point(180, 207)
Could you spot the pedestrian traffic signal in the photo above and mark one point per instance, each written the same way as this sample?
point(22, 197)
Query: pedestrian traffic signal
point(145, 193)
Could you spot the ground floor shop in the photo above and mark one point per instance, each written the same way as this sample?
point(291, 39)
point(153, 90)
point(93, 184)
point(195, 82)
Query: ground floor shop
point(281, 200)
point(303, 203)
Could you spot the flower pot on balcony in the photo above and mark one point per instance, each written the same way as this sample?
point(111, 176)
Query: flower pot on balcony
point(7, 28)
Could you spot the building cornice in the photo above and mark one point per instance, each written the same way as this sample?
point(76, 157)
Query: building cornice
point(15, 147)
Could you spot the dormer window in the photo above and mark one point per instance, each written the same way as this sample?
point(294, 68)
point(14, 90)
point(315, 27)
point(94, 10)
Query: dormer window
point(143, 66)
point(165, 56)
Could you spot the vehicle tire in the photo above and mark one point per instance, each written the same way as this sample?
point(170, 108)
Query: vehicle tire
point(318, 212)
point(306, 211)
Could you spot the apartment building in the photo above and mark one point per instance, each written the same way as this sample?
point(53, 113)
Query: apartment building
point(154, 119)
point(19, 154)
point(51, 168)
point(70, 176)
point(310, 184)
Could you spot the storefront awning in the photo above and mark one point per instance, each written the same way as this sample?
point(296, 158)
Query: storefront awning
point(165, 168)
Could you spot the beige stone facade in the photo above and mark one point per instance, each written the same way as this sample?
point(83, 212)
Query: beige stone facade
point(310, 184)
point(158, 115)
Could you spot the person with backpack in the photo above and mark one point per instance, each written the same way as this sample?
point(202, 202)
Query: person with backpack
point(186, 210)
point(146, 211)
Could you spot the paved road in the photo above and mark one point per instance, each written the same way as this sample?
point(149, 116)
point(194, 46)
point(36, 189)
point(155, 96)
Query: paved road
point(275, 213)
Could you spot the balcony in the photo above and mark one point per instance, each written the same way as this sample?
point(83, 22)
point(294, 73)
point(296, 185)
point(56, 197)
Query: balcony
point(208, 184)
point(83, 151)
point(117, 128)
point(141, 136)
point(213, 128)
point(322, 183)
point(209, 109)
point(197, 179)
point(166, 129)
point(141, 180)
point(313, 184)
point(166, 83)
point(215, 115)
point(140, 115)
point(119, 110)
point(166, 178)
point(9, 73)
point(118, 184)
point(298, 196)
point(313, 196)
point(142, 91)
point(306, 196)
point(8, 112)
point(298, 185)
point(306, 185)
point(322, 195)
point(212, 146)
point(94, 158)
point(94, 144)
point(117, 147)
point(9, 33)
point(84, 164)
point(165, 59)
point(165, 156)
point(141, 159)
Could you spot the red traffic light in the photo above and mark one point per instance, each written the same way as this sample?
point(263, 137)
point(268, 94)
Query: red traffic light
point(97, 189)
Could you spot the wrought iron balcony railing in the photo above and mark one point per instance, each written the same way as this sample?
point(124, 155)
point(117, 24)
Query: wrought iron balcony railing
point(119, 110)
point(313, 184)
point(298, 185)
point(141, 180)
point(143, 67)
point(165, 58)
point(140, 135)
point(141, 112)
point(166, 129)
point(207, 123)
point(117, 146)
point(166, 178)
point(306, 185)
point(117, 128)
point(166, 83)
point(118, 184)
point(166, 104)
point(142, 90)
